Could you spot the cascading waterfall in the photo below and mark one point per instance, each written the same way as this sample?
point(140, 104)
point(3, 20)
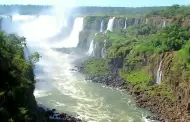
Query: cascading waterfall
point(102, 25)
point(159, 73)
point(146, 21)
point(26, 53)
point(125, 23)
point(118, 23)
point(110, 24)
point(164, 23)
point(6, 23)
point(103, 51)
point(73, 39)
point(23, 18)
point(92, 47)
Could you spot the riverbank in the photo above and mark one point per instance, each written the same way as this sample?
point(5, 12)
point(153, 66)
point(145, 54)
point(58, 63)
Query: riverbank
point(51, 115)
point(164, 109)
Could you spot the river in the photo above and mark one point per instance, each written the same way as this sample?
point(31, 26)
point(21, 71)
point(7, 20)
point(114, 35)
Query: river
point(67, 91)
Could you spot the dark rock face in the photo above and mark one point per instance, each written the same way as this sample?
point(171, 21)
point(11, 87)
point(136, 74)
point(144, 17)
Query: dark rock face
point(117, 62)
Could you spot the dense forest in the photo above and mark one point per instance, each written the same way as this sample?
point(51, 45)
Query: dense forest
point(176, 11)
point(17, 103)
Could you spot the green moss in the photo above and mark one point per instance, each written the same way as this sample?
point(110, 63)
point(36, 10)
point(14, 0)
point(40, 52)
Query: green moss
point(138, 76)
point(96, 67)
point(161, 90)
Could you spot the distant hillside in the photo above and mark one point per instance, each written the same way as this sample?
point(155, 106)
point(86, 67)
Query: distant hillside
point(36, 9)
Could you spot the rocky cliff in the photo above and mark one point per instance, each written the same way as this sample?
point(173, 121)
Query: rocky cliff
point(152, 56)
point(92, 25)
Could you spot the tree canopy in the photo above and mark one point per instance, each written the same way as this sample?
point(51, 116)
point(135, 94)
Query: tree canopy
point(17, 80)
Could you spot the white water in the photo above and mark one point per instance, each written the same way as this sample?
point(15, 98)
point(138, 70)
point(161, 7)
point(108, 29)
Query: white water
point(159, 73)
point(164, 23)
point(125, 23)
point(26, 54)
point(102, 25)
point(67, 91)
point(73, 39)
point(103, 51)
point(110, 24)
point(146, 21)
point(23, 17)
point(91, 48)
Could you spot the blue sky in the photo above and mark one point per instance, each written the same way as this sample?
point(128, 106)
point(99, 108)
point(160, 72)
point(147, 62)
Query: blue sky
point(124, 3)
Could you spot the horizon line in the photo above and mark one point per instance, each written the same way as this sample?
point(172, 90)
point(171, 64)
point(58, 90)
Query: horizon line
point(88, 5)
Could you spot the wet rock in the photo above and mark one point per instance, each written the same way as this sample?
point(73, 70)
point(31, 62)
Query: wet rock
point(54, 116)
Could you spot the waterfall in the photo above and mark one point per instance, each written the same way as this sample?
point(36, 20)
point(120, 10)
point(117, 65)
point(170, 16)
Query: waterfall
point(146, 21)
point(125, 23)
point(73, 39)
point(6, 23)
point(118, 24)
point(92, 47)
point(102, 25)
point(26, 53)
point(164, 23)
point(159, 73)
point(23, 17)
point(103, 51)
point(110, 24)
point(37, 33)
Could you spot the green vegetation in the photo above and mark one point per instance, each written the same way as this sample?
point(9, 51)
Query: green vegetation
point(182, 63)
point(157, 90)
point(138, 48)
point(17, 102)
point(138, 76)
point(115, 11)
point(97, 67)
point(183, 56)
point(174, 11)
point(171, 38)
point(92, 22)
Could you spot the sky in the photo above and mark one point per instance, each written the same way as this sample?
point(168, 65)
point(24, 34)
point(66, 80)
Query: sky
point(120, 3)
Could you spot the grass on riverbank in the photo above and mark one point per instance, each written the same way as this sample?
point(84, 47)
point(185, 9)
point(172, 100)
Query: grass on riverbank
point(138, 76)
point(97, 67)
